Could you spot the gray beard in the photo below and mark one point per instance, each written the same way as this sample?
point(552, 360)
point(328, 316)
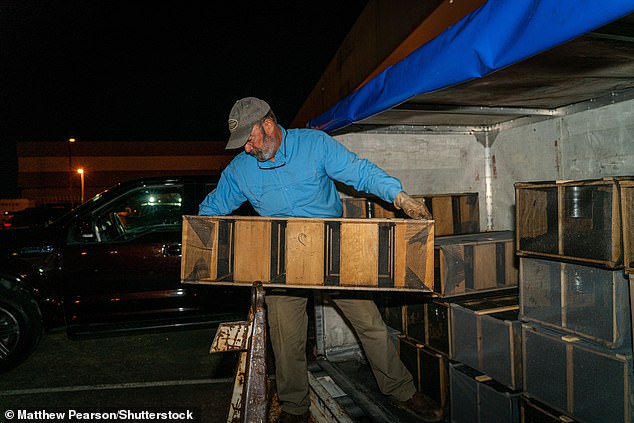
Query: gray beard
point(267, 152)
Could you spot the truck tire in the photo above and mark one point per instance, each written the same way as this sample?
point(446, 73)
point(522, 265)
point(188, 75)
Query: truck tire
point(20, 327)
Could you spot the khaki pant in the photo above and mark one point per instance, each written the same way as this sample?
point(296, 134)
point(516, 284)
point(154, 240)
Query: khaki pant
point(288, 323)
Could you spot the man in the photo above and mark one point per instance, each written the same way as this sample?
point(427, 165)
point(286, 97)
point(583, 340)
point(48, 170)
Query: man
point(291, 173)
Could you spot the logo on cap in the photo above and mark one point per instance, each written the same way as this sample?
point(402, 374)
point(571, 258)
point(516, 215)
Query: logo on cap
point(233, 125)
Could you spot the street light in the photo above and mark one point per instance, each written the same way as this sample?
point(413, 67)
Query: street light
point(81, 174)
point(70, 170)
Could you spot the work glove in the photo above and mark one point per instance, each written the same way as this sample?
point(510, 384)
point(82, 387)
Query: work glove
point(413, 208)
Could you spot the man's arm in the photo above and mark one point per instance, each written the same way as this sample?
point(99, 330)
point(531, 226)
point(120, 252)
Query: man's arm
point(345, 166)
point(224, 199)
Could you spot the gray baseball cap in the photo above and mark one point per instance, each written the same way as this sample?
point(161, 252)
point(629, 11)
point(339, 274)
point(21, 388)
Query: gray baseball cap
point(244, 114)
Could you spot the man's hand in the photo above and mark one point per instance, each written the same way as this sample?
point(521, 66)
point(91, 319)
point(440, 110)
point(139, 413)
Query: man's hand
point(413, 208)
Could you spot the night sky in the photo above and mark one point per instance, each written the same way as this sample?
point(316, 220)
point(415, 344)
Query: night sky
point(155, 70)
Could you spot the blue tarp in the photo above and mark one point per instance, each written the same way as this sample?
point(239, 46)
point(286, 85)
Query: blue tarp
point(498, 34)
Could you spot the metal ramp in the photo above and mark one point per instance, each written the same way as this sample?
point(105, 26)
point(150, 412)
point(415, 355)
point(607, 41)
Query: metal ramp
point(249, 402)
point(335, 397)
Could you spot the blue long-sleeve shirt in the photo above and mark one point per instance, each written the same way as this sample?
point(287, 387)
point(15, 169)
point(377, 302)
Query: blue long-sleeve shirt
point(300, 181)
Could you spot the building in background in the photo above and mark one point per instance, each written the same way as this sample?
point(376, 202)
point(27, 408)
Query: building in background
point(47, 170)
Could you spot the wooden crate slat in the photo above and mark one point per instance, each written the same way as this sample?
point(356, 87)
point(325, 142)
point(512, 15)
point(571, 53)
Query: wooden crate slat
point(485, 272)
point(359, 254)
point(617, 224)
point(199, 249)
point(511, 265)
point(469, 219)
point(451, 270)
point(252, 246)
point(304, 253)
point(443, 206)
point(384, 210)
point(532, 218)
point(355, 207)
point(627, 212)
point(414, 255)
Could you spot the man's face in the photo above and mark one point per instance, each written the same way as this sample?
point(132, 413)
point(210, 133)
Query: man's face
point(260, 145)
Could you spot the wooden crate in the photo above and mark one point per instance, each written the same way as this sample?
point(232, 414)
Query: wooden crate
point(392, 316)
point(571, 220)
point(438, 324)
point(477, 398)
point(369, 207)
point(392, 307)
point(586, 301)
point(456, 213)
point(415, 322)
point(486, 335)
point(429, 323)
point(429, 369)
point(465, 264)
point(579, 379)
point(369, 254)
point(627, 213)
point(532, 411)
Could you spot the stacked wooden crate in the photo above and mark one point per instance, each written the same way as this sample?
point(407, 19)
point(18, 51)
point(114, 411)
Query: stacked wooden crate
point(482, 264)
point(479, 335)
point(428, 367)
point(486, 377)
point(575, 299)
point(422, 325)
point(467, 262)
point(422, 322)
point(424, 345)
point(476, 335)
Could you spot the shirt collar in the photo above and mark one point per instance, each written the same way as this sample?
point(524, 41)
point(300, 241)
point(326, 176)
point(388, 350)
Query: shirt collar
point(280, 155)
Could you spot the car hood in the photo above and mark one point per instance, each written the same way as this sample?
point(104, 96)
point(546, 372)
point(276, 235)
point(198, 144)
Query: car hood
point(21, 242)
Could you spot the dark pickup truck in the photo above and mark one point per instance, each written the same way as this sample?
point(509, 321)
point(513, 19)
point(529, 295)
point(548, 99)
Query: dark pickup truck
point(111, 264)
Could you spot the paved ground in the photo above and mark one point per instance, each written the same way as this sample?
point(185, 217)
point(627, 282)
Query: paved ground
point(160, 372)
point(169, 370)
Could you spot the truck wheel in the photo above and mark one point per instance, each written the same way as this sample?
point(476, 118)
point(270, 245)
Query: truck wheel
point(20, 327)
